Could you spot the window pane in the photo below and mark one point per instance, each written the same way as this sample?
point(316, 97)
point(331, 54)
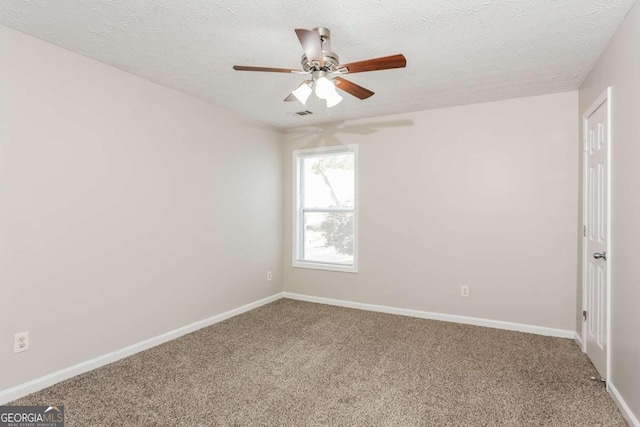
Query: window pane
point(328, 237)
point(328, 181)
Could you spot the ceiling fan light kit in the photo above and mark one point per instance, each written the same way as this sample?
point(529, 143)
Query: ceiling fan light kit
point(322, 64)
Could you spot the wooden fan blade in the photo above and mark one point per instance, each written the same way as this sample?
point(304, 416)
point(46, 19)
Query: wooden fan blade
point(352, 88)
point(311, 44)
point(384, 63)
point(290, 98)
point(269, 70)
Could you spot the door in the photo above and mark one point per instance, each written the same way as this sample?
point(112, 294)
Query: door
point(596, 233)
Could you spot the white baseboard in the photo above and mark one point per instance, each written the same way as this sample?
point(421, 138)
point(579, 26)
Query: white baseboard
point(22, 390)
point(624, 408)
point(578, 339)
point(48, 380)
point(497, 324)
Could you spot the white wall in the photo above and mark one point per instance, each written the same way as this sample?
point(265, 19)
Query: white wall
point(483, 195)
point(126, 209)
point(619, 67)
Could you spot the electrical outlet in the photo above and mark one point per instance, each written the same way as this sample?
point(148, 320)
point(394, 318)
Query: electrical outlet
point(269, 276)
point(21, 342)
point(464, 291)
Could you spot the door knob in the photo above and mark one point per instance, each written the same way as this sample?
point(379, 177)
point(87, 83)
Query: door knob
point(602, 256)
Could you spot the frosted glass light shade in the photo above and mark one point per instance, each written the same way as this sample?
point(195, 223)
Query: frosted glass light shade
point(333, 99)
point(325, 88)
point(302, 92)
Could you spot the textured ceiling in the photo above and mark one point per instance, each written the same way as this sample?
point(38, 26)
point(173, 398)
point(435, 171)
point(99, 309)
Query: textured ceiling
point(458, 51)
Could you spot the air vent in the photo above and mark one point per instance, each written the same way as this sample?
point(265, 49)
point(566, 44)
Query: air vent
point(303, 113)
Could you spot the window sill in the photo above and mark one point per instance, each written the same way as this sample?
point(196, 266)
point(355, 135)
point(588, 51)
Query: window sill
point(326, 267)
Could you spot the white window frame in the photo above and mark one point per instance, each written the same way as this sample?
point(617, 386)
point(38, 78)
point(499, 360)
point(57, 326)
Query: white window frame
point(298, 210)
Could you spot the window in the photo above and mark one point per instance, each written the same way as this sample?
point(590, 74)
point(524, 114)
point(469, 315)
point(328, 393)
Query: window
point(326, 208)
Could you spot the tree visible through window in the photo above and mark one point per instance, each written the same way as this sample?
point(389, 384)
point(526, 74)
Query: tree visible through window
point(326, 198)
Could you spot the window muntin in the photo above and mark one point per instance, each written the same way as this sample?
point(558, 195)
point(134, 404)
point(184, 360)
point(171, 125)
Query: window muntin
point(325, 223)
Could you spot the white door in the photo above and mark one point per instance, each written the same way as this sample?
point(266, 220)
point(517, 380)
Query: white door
point(596, 234)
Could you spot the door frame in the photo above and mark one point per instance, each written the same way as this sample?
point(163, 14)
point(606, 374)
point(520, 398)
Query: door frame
point(604, 97)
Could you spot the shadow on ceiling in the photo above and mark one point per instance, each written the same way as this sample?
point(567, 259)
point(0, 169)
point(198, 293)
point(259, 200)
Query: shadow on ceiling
point(327, 134)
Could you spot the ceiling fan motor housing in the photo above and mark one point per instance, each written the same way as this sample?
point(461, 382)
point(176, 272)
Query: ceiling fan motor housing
point(331, 59)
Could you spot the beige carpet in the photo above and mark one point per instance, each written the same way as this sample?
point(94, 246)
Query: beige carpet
point(297, 364)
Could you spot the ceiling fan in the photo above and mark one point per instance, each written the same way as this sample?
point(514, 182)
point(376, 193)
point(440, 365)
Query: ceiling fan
point(323, 66)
